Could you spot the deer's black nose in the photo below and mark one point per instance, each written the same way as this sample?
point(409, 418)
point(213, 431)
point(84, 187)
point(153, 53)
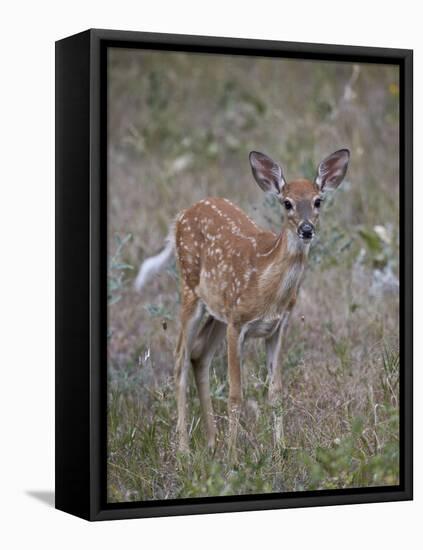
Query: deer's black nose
point(306, 230)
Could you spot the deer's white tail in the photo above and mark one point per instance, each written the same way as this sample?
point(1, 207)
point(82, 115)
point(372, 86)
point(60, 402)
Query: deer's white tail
point(153, 265)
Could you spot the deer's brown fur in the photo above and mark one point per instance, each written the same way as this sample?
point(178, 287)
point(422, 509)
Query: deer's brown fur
point(239, 270)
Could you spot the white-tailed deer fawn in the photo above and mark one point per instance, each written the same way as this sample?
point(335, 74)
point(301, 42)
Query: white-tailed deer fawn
point(245, 278)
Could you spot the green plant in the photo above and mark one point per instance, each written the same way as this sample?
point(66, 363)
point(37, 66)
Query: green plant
point(117, 269)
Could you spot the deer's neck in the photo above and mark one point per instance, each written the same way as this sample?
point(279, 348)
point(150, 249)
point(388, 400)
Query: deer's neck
point(282, 270)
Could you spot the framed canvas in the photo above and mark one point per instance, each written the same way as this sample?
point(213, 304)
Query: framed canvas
point(233, 274)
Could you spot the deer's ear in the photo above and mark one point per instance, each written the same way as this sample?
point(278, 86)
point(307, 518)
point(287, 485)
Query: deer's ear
point(267, 173)
point(332, 170)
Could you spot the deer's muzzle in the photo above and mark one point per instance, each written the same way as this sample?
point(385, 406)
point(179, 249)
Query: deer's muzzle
point(306, 231)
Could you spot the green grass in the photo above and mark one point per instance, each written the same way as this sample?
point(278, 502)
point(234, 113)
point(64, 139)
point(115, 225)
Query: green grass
point(181, 129)
point(333, 444)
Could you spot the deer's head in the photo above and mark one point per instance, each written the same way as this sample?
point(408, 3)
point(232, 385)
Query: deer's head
point(300, 198)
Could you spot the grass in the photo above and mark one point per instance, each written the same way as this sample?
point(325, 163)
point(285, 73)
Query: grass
point(181, 129)
point(341, 436)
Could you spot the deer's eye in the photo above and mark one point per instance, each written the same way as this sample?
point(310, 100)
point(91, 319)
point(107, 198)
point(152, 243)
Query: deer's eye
point(317, 203)
point(287, 205)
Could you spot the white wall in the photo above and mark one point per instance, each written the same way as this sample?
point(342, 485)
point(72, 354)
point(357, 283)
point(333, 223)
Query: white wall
point(27, 37)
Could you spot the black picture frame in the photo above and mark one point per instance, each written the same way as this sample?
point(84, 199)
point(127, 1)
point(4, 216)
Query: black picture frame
point(81, 261)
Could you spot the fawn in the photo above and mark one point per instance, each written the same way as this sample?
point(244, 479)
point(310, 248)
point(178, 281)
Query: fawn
point(245, 279)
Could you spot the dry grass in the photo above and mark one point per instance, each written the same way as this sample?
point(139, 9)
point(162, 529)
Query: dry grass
point(181, 128)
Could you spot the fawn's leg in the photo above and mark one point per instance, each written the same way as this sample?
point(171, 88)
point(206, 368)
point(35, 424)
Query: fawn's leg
point(203, 350)
point(274, 366)
point(235, 388)
point(191, 313)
